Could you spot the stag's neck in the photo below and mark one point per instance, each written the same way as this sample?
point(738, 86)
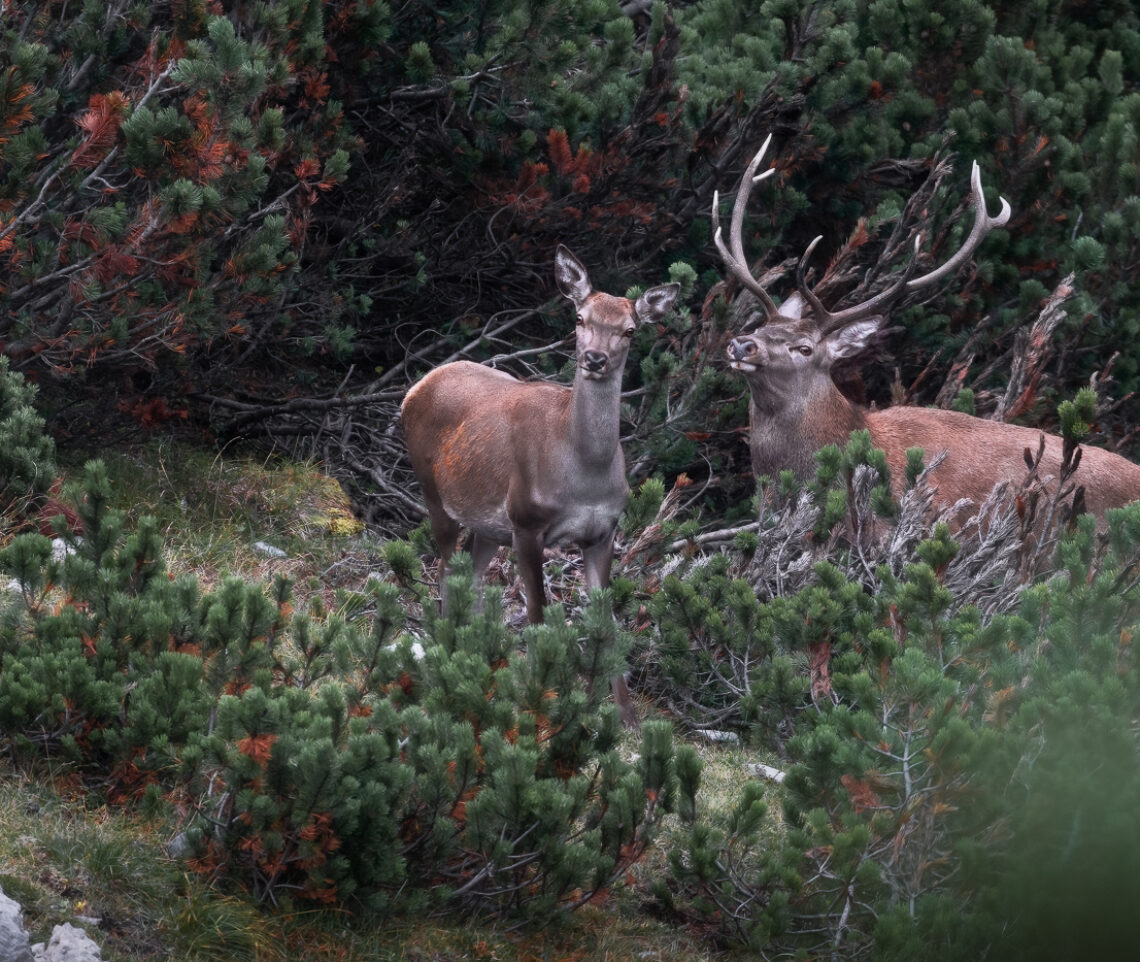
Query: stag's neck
point(595, 419)
point(788, 427)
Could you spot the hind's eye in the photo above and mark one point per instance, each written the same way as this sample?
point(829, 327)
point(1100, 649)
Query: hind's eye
point(628, 332)
point(580, 320)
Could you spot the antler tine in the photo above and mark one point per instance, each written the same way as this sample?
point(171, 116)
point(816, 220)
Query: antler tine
point(829, 321)
point(983, 224)
point(820, 312)
point(734, 259)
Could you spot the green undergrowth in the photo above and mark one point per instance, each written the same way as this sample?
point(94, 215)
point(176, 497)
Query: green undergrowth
point(294, 756)
point(68, 859)
point(69, 854)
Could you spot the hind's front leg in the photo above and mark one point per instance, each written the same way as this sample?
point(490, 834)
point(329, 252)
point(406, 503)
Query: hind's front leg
point(597, 561)
point(529, 547)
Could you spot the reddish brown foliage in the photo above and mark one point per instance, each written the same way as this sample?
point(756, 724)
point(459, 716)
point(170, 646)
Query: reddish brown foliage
point(258, 747)
point(862, 796)
point(152, 413)
point(100, 124)
point(819, 654)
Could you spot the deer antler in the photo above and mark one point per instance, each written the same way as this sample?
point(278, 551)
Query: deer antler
point(828, 321)
point(983, 224)
point(733, 253)
point(735, 260)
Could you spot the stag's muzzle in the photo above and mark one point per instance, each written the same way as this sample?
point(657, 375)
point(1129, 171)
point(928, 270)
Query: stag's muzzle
point(742, 351)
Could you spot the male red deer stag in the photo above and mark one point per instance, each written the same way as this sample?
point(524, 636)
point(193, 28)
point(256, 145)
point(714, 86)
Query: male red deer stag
point(530, 463)
point(796, 409)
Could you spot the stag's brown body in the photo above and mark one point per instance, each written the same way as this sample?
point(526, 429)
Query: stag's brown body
point(796, 409)
point(794, 413)
point(528, 463)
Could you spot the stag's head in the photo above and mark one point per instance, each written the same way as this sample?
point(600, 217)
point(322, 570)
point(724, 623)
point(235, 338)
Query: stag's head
point(785, 355)
point(784, 349)
point(606, 324)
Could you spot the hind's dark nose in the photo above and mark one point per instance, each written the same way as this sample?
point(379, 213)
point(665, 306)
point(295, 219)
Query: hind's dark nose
point(595, 360)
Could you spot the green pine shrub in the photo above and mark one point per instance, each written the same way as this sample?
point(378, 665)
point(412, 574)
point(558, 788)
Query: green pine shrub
point(334, 756)
point(447, 770)
point(960, 773)
point(27, 451)
point(81, 630)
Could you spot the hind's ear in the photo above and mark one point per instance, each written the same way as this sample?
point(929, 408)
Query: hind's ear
point(573, 281)
point(656, 302)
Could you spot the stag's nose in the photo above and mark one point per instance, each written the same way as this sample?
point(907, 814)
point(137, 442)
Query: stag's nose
point(595, 361)
point(740, 348)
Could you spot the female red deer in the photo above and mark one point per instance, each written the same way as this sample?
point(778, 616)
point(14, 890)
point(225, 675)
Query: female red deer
point(796, 409)
point(530, 463)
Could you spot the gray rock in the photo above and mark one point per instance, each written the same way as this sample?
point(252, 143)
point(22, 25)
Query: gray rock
point(178, 846)
point(68, 944)
point(724, 738)
point(14, 945)
point(272, 551)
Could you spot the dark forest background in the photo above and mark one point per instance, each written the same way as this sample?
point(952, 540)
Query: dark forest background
point(265, 220)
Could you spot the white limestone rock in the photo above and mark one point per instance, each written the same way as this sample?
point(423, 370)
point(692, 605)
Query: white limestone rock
point(68, 944)
point(14, 945)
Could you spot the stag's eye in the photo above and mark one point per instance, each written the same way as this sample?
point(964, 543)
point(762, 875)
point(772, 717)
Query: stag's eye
point(804, 349)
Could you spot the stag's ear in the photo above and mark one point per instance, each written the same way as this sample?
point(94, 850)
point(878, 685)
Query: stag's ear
point(850, 340)
point(655, 303)
point(573, 281)
point(793, 307)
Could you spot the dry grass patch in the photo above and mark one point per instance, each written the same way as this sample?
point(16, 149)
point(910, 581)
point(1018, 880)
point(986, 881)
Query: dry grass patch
point(223, 513)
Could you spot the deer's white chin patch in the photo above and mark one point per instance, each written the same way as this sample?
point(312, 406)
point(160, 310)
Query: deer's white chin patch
point(745, 366)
